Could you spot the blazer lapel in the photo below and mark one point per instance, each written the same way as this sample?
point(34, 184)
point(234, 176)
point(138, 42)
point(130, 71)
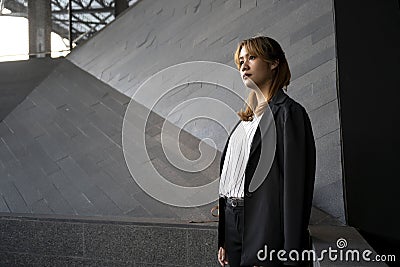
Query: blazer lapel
point(276, 100)
point(267, 119)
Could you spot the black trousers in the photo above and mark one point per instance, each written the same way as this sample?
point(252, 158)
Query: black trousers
point(234, 218)
point(233, 234)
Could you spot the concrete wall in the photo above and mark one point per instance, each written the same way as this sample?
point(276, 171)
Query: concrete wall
point(18, 79)
point(90, 242)
point(151, 36)
point(61, 153)
point(27, 240)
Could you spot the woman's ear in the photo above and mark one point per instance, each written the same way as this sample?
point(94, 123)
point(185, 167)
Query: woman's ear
point(274, 64)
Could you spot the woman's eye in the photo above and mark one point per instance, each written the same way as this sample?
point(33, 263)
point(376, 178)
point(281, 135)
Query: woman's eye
point(240, 62)
point(252, 57)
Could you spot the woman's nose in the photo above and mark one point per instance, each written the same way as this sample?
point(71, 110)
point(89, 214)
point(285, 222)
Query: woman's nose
point(244, 66)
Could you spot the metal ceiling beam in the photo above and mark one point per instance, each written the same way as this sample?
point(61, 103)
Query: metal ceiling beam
point(67, 24)
point(103, 4)
point(16, 7)
point(78, 2)
point(93, 28)
point(79, 21)
point(60, 25)
point(85, 10)
point(15, 14)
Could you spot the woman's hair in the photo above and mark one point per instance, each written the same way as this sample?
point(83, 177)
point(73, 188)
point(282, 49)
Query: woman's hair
point(270, 51)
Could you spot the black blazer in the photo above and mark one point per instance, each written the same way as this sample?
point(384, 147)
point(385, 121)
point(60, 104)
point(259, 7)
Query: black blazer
point(277, 213)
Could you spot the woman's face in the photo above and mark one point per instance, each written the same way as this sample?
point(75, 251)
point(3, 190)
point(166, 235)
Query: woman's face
point(254, 70)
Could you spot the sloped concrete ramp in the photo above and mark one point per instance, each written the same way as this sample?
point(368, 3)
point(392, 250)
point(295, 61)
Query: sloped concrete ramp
point(61, 153)
point(19, 78)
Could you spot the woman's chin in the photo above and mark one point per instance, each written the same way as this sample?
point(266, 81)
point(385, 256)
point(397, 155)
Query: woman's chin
point(251, 84)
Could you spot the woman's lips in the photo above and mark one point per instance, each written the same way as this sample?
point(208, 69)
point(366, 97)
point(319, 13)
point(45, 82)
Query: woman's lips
point(246, 76)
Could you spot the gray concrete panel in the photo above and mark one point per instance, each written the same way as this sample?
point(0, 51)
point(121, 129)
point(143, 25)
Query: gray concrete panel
point(71, 161)
point(76, 113)
point(61, 241)
point(166, 35)
point(12, 197)
point(18, 79)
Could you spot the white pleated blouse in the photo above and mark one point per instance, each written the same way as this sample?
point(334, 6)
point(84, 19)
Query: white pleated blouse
point(237, 155)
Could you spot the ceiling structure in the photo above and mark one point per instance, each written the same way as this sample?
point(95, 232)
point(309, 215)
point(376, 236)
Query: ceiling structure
point(88, 16)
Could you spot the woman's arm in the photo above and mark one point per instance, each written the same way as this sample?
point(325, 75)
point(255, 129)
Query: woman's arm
point(221, 223)
point(299, 176)
point(222, 257)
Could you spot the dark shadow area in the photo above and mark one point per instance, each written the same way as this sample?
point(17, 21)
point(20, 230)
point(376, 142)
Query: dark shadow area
point(384, 246)
point(19, 78)
point(368, 44)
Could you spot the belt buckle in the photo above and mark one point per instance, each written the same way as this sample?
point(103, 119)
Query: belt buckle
point(234, 203)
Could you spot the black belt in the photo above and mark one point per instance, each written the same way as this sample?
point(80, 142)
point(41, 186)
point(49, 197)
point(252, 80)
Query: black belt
point(234, 201)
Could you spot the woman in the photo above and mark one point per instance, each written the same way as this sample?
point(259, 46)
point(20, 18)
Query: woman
point(275, 216)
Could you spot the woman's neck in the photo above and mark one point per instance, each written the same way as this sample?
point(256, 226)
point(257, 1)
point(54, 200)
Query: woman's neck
point(262, 94)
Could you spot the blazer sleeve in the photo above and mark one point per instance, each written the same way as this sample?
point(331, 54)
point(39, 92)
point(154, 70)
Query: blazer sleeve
point(298, 179)
point(221, 223)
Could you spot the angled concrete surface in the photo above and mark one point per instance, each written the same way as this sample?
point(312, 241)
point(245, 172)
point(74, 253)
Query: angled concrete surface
point(61, 153)
point(18, 79)
point(72, 121)
point(152, 36)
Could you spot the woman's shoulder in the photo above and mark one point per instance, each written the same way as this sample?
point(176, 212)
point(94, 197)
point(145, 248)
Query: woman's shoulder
point(289, 106)
point(292, 112)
